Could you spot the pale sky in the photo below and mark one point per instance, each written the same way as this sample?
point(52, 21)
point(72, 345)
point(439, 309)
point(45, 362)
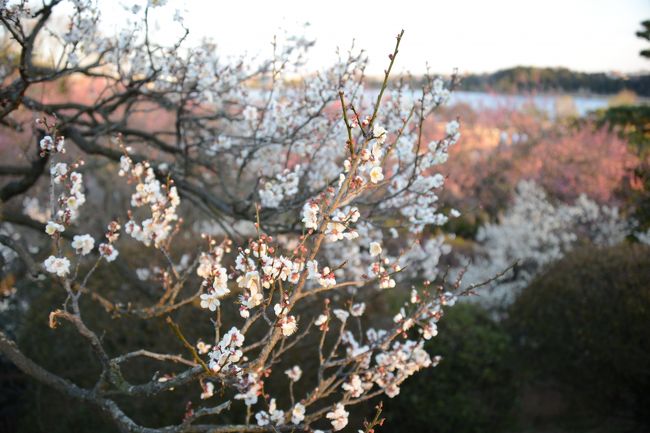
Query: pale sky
point(472, 35)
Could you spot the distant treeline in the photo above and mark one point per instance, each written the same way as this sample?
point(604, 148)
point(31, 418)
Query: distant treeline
point(526, 79)
point(522, 79)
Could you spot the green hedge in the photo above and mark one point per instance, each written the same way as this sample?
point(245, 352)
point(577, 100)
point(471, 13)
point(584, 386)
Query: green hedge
point(585, 324)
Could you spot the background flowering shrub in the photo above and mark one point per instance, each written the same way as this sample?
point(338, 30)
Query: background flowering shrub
point(534, 233)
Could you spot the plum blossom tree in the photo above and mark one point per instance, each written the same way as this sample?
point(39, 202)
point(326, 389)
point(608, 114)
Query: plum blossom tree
point(319, 171)
point(536, 232)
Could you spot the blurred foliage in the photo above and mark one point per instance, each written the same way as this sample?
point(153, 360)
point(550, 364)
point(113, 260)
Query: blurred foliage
point(584, 325)
point(567, 157)
point(624, 97)
point(644, 33)
point(632, 122)
point(473, 388)
point(464, 226)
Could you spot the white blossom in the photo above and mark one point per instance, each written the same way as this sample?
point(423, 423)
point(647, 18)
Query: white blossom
point(320, 320)
point(380, 134)
point(208, 391)
point(375, 249)
point(57, 265)
point(83, 244)
point(227, 351)
point(376, 174)
point(298, 413)
point(288, 325)
point(310, 215)
point(108, 252)
point(203, 348)
point(338, 417)
point(209, 301)
point(253, 387)
point(354, 386)
point(342, 315)
point(274, 415)
point(47, 143)
point(358, 309)
point(294, 373)
point(52, 227)
point(57, 171)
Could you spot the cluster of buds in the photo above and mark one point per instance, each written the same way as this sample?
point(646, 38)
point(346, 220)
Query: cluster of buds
point(161, 199)
point(108, 250)
point(214, 275)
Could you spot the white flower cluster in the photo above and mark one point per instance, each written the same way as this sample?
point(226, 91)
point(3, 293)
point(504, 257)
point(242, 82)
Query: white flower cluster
point(49, 144)
point(33, 209)
point(372, 157)
point(338, 417)
point(338, 225)
point(535, 232)
point(83, 244)
point(161, 200)
point(310, 213)
point(215, 278)
point(57, 265)
point(325, 277)
point(391, 366)
point(284, 185)
point(108, 251)
point(396, 365)
point(643, 237)
point(424, 257)
point(439, 94)
point(294, 373)
point(70, 199)
point(383, 271)
point(251, 387)
point(74, 199)
point(288, 324)
point(58, 172)
point(298, 413)
point(404, 358)
point(412, 188)
point(52, 228)
point(228, 352)
point(272, 416)
point(355, 253)
point(208, 391)
point(260, 256)
point(66, 210)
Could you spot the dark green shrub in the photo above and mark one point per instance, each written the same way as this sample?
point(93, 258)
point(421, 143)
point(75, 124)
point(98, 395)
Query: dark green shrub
point(585, 324)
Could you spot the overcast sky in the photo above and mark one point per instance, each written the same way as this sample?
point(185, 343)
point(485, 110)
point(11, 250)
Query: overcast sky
point(472, 35)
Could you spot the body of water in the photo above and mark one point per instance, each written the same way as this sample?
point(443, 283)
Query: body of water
point(548, 103)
